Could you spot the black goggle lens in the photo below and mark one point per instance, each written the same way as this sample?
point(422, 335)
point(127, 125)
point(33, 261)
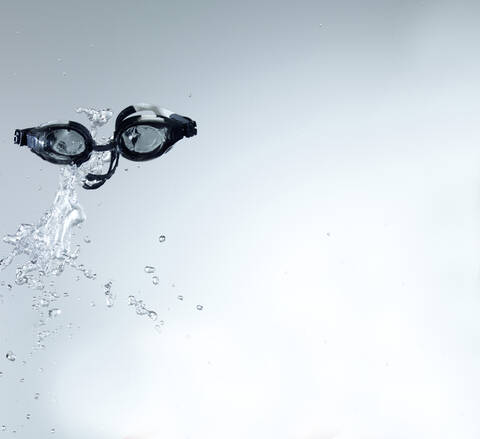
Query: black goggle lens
point(65, 142)
point(144, 138)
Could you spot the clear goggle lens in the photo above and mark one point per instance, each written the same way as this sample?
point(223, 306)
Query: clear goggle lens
point(144, 138)
point(66, 142)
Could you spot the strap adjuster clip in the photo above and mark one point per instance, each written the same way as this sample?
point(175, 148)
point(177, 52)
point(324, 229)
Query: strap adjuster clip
point(19, 137)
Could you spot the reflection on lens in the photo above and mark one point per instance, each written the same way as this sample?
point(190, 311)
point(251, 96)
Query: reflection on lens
point(144, 138)
point(66, 142)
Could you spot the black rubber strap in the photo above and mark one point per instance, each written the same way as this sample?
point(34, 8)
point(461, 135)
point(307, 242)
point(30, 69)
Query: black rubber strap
point(101, 179)
point(123, 114)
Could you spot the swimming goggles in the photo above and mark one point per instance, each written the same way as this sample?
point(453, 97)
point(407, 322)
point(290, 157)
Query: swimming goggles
point(136, 137)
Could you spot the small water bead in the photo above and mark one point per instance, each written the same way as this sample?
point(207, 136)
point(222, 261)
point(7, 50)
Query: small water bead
point(90, 274)
point(36, 396)
point(54, 312)
point(92, 304)
point(199, 307)
point(109, 296)
point(87, 240)
point(52, 430)
point(1, 374)
point(155, 280)
point(162, 238)
point(149, 269)
point(44, 302)
point(140, 308)
point(180, 297)
point(28, 415)
point(4, 427)
point(10, 356)
point(22, 380)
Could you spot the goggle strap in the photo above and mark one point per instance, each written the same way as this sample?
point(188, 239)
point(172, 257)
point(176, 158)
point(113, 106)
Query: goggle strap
point(103, 178)
point(132, 109)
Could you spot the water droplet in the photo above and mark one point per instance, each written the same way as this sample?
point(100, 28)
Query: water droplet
point(109, 296)
point(132, 300)
point(22, 380)
point(11, 356)
point(54, 312)
point(59, 59)
point(92, 304)
point(180, 297)
point(28, 416)
point(199, 307)
point(36, 396)
point(52, 430)
point(64, 74)
point(87, 240)
point(162, 238)
point(4, 427)
point(155, 280)
point(1, 374)
point(149, 269)
point(152, 315)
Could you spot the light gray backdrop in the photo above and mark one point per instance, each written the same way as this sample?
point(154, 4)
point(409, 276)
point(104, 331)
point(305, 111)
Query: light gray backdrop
point(327, 217)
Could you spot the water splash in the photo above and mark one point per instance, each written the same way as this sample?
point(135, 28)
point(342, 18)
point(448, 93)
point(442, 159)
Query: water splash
point(47, 244)
point(97, 118)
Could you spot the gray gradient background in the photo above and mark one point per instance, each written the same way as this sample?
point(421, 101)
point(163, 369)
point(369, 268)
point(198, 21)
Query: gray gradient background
point(327, 216)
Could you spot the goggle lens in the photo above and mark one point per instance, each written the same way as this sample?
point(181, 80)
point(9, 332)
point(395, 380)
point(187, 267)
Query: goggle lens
point(66, 142)
point(144, 138)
